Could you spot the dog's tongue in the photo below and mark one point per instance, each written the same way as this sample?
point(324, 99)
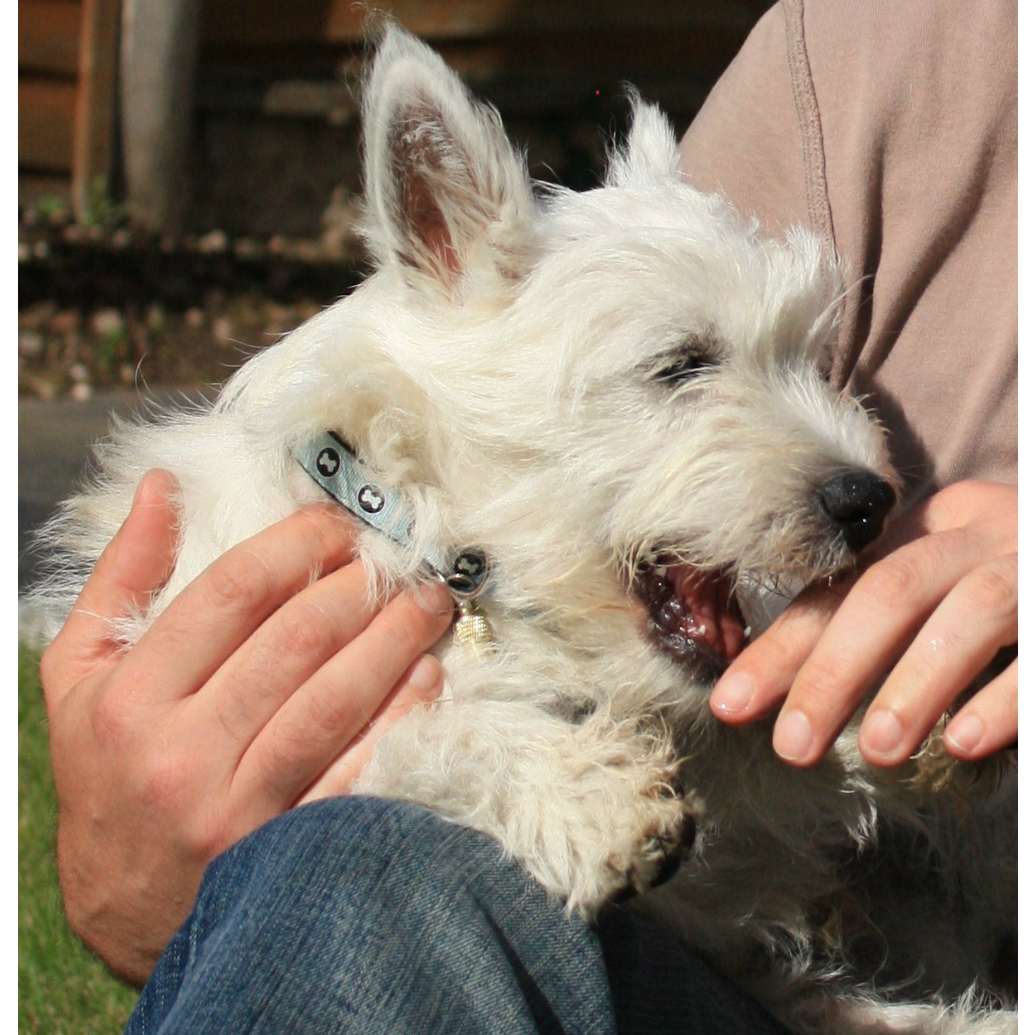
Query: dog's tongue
point(711, 618)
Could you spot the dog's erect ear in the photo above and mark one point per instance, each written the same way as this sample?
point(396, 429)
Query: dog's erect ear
point(446, 192)
point(650, 153)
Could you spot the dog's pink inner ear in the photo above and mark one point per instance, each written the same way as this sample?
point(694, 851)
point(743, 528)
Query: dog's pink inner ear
point(423, 215)
point(425, 168)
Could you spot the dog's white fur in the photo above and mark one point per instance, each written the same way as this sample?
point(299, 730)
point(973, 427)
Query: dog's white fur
point(499, 368)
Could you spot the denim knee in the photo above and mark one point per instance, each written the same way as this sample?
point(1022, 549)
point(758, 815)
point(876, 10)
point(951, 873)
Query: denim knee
point(358, 914)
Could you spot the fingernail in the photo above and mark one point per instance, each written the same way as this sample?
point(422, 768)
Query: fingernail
point(881, 732)
point(156, 486)
point(434, 597)
point(965, 732)
point(792, 737)
point(144, 488)
point(425, 675)
point(733, 693)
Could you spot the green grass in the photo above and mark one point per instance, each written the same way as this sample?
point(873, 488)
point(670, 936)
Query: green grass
point(62, 989)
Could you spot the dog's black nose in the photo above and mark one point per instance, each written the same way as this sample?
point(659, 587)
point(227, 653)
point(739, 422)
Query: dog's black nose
point(857, 502)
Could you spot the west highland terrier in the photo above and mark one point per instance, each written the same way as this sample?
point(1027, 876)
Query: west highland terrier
point(601, 418)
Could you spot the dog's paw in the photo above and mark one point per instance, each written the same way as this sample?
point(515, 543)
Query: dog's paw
point(654, 856)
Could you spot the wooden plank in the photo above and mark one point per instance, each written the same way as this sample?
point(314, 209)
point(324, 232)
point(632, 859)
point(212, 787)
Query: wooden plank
point(342, 21)
point(94, 136)
point(48, 36)
point(46, 110)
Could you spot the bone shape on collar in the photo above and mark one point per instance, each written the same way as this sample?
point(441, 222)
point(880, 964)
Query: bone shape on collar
point(335, 467)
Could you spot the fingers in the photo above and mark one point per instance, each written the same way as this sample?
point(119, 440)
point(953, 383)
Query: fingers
point(923, 621)
point(988, 721)
point(203, 627)
point(284, 652)
point(421, 684)
point(134, 564)
point(878, 619)
point(976, 619)
point(337, 705)
point(759, 678)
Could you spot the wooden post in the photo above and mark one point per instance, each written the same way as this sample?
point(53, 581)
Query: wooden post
point(159, 56)
point(94, 134)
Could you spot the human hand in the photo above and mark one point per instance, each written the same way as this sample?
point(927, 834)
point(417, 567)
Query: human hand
point(931, 611)
point(257, 689)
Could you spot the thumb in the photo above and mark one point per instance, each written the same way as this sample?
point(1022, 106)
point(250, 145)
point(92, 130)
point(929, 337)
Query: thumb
point(135, 564)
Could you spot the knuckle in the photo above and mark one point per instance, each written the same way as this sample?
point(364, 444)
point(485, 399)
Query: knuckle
point(821, 679)
point(411, 633)
point(239, 579)
point(110, 720)
point(283, 756)
point(789, 641)
point(420, 627)
point(894, 583)
point(306, 631)
point(330, 715)
point(778, 653)
point(329, 531)
point(917, 685)
point(993, 589)
point(270, 766)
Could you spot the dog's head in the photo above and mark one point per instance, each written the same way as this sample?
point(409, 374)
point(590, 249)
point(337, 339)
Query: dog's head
point(617, 394)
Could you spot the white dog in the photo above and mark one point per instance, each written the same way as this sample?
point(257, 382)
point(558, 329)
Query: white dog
point(601, 418)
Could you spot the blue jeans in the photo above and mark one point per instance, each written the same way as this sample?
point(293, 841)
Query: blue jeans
point(376, 917)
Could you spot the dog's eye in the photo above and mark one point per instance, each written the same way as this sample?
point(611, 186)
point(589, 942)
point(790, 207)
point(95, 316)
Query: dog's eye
point(682, 369)
point(682, 365)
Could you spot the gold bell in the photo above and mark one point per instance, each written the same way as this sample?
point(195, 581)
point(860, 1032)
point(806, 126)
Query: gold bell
point(472, 629)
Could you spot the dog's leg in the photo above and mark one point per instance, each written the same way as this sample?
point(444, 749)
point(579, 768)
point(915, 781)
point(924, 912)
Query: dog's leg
point(593, 809)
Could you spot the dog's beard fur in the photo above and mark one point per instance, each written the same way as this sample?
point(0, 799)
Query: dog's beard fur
point(597, 389)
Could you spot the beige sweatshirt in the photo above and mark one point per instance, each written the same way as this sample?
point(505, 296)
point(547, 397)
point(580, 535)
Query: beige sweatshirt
point(890, 128)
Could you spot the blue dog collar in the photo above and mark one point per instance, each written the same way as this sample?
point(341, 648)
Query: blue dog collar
point(335, 467)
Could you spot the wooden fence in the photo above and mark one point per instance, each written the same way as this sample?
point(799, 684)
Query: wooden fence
point(295, 59)
point(67, 71)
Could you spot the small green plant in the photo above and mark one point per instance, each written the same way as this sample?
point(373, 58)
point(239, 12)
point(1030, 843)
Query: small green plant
point(112, 349)
point(53, 207)
point(99, 210)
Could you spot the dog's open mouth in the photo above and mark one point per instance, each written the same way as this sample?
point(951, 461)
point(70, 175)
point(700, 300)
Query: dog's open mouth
point(693, 614)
